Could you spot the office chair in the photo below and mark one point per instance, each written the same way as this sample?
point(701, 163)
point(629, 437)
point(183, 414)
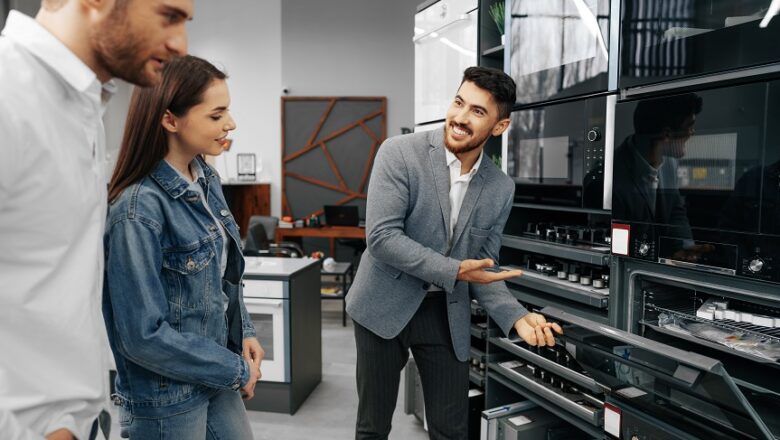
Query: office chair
point(259, 240)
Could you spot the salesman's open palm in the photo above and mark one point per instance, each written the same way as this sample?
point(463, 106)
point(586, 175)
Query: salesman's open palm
point(535, 330)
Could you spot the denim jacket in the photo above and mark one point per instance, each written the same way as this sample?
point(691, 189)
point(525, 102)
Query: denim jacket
point(163, 305)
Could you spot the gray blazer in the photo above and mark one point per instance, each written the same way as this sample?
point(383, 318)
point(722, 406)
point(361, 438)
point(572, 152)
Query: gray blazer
point(407, 224)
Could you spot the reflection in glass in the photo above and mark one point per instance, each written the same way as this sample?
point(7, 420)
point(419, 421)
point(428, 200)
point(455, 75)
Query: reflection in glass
point(264, 326)
point(558, 48)
point(667, 39)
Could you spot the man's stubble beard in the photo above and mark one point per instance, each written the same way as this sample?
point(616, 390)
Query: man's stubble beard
point(117, 49)
point(469, 147)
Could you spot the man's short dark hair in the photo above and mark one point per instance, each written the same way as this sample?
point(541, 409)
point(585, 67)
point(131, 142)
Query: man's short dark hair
point(652, 116)
point(498, 83)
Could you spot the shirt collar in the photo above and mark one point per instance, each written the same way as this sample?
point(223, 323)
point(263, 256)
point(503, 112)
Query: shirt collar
point(29, 34)
point(174, 183)
point(643, 165)
point(453, 159)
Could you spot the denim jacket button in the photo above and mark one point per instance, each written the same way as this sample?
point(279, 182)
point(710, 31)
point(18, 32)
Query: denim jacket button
point(190, 264)
point(212, 228)
point(224, 213)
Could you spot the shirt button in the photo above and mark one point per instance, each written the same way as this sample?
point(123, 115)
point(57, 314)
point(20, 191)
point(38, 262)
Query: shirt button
point(224, 213)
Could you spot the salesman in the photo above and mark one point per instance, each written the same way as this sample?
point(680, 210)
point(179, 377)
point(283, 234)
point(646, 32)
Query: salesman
point(435, 213)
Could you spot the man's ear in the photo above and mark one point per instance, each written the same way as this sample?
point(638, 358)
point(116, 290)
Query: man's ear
point(500, 127)
point(169, 122)
point(101, 8)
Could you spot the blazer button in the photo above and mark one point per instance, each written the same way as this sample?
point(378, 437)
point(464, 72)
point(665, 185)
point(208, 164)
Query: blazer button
point(426, 286)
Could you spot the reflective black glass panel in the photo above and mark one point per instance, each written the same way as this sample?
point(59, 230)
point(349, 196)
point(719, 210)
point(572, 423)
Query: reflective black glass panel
point(556, 153)
point(687, 160)
point(663, 40)
point(559, 48)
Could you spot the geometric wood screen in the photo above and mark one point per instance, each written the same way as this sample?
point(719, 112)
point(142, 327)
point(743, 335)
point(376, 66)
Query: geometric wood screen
point(328, 149)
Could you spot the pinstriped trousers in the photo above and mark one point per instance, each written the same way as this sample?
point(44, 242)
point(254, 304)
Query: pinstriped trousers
point(445, 379)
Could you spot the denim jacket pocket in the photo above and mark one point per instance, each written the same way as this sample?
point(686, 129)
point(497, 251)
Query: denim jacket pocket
point(188, 283)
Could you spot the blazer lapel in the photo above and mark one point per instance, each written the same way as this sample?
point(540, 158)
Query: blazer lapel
point(470, 201)
point(441, 175)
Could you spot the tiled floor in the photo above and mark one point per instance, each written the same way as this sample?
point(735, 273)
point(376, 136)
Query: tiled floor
point(329, 412)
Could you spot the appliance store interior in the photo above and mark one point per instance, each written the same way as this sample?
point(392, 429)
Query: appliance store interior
point(644, 146)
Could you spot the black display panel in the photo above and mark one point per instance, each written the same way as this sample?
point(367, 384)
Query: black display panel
point(558, 48)
point(663, 40)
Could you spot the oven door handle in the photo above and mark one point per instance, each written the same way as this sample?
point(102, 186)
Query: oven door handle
point(263, 302)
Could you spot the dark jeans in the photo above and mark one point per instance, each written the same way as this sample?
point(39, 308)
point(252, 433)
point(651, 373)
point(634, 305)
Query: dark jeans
point(445, 379)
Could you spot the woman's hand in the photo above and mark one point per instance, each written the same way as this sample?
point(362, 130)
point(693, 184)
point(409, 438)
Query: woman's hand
point(252, 351)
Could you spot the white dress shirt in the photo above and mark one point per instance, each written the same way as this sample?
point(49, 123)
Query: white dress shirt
point(54, 360)
point(458, 185)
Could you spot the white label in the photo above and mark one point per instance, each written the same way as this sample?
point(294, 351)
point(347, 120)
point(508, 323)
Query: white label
point(611, 421)
point(631, 392)
point(520, 420)
point(511, 364)
point(620, 240)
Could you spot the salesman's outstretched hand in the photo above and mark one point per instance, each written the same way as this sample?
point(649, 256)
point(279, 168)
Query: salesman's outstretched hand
point(535, 330)
point(474, 271)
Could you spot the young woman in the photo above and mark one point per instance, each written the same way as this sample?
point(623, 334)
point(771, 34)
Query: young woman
point(184, 345)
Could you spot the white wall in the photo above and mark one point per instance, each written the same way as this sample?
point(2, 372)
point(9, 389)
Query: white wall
point(352, 48)
point(313, 47)
point(244, 38)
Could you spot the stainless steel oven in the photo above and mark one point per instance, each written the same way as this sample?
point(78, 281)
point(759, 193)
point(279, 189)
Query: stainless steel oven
point(268, 305)
point(558, 48)
point(696, 180)
point(559, 154)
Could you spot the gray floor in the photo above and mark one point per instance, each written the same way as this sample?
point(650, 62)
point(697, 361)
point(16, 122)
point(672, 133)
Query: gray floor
point(329, 412)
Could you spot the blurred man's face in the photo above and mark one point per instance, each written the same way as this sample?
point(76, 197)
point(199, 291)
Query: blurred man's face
point(675, 145)
point(139, 36)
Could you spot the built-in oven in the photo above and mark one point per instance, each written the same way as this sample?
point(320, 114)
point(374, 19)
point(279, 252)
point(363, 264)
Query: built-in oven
point(733, 320)
point(269, 307)
point(558, 48)
point(704, 40)
point(613, 384)
point(696, 180)
point(445, 44)
point(558, 154)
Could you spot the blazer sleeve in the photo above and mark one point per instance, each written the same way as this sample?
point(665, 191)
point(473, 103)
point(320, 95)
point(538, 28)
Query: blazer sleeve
point(386, 208)
point(495, 297)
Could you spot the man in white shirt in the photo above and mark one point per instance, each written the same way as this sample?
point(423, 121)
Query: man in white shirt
point(435, 213)
point(55, 74)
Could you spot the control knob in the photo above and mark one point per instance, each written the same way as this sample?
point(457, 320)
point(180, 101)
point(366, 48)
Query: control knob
point(594, 134)
point(644, 248)
point(755, 265)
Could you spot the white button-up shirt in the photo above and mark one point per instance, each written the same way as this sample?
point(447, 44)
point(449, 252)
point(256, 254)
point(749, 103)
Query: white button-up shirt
point(53, 358)
point(458, 185)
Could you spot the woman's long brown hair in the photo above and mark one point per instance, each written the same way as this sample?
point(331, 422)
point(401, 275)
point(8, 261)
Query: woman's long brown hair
point(145, 143)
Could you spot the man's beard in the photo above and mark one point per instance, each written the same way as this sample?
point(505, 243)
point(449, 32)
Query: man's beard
point(471, 146)
point(118, 50)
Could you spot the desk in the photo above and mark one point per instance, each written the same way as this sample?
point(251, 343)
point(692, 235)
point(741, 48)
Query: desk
point(329, 232)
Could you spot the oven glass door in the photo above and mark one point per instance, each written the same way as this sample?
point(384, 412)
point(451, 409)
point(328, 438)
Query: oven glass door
point(663, 40)
point(268, 316)
point(685, 389)
point(691, 160)
point(443, 49)
point(556, 154)
point(558, 48)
